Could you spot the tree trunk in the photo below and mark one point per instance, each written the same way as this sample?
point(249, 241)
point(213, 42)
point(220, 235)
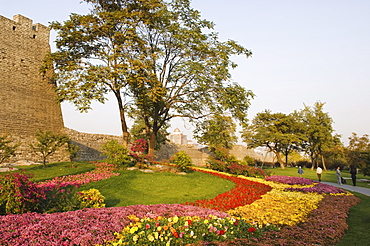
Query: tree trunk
point(125, 133)
point(286, 159)
point(278, 157)
point(323, 162)
point(313, 160)
point(151, 144)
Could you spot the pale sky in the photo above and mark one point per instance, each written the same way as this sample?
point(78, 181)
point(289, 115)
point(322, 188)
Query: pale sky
point(303, 52)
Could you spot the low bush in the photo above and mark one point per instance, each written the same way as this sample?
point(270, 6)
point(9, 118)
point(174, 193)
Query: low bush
point(116, 153)
point(182, 161)
point(18, 194)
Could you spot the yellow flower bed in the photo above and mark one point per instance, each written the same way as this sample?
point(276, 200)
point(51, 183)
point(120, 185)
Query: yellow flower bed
point(278, 207)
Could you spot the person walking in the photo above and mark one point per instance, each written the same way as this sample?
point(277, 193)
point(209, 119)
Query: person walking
point(353, 172)
point(339, 177)
point(300, 171)
point(319, 172)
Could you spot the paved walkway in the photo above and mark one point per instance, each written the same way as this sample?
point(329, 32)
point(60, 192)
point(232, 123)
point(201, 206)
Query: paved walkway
point(350, 187)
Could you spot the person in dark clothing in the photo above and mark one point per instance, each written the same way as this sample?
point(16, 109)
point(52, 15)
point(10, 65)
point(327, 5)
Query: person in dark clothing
point(353, 172)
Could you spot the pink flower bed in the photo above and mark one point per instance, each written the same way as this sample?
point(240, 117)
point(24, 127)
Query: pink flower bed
point(103, 171)
point(289, 180)
point(87, 226)
point(319, 188)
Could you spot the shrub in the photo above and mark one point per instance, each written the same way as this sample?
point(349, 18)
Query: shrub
point(182, 161)
point(72, 150)
point(18, 194)
point(138, 151)
point(116, 153)
point(47, 144)
point(7, 149)
point(238, 169)
point(59, 198)
point(249, 160)
point(217, 165)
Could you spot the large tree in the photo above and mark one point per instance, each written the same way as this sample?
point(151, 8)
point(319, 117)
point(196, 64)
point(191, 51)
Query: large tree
point(98, 52)
point(217, 132)
point(358, 150)
point(138, 131)
point(185, 72)
point(319, 132)
point(159, 55)
point(278, 132)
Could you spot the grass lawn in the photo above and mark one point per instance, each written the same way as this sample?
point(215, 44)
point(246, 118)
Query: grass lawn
point(53, 170)
point(136, 187)
point(358, 222)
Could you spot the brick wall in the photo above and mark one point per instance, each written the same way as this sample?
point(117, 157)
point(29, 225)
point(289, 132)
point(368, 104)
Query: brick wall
point(27, 98)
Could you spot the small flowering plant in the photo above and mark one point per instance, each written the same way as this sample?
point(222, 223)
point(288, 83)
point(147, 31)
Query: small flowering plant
point(184, 230)
point(91, 198)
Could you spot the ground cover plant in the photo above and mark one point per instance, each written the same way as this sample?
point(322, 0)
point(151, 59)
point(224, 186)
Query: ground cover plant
point(306, 222)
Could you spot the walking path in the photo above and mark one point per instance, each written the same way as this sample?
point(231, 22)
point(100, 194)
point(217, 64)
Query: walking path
point(365, 191)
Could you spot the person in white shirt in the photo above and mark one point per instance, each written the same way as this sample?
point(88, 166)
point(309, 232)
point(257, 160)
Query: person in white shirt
point(319, 172)
point(339, 177)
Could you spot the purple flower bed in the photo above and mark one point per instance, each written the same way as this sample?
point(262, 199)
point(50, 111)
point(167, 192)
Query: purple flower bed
point(87, 226)
point(319, 188)
point(289, 180)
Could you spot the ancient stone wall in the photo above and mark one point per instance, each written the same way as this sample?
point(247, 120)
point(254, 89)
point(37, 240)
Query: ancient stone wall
point(27, 97)
point(199, 156)
point(90, 144)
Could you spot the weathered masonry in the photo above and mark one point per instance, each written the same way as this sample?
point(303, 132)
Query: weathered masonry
point(27, 98)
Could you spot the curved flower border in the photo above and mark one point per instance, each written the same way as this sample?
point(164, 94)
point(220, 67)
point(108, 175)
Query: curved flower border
point(96, 226)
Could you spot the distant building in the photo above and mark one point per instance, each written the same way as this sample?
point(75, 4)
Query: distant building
point(178, 138)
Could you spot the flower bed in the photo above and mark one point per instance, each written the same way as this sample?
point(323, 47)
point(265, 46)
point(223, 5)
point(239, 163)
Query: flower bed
point(304, 217)
point(245, 192)
point(325, 226)
point(87, 226)
point(102, 171)
point(289, 180)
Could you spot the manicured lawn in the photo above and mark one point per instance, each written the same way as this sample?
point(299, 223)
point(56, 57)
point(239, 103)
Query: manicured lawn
point(136, 187)
point(52, 170)
point(358, 222)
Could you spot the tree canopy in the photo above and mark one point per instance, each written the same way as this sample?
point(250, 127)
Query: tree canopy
point(217, 132)
point(160, 59)
point(319, 132)
point(358, 150)
point(275, 131)
point(309, 130)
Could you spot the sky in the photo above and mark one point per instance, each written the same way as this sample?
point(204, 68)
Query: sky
point(303, 52)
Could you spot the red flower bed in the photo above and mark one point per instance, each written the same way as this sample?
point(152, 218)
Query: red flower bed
point(244, 193)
